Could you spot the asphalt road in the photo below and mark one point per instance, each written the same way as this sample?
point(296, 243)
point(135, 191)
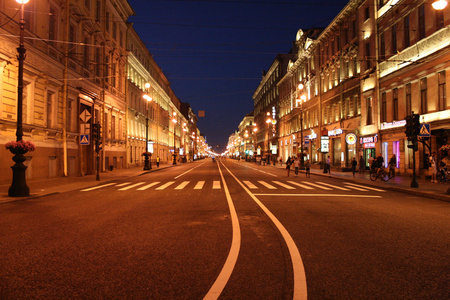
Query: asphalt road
point(227, 230)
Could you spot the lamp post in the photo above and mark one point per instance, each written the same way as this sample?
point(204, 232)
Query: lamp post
point(148, 162)
point(19, 186)
point(268, 121)
point(301, 100)
point(174, 120)
point(255, 129)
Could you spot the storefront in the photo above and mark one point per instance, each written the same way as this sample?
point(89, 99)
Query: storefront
point(368, 145)
point(350, 143)
point(338, 156)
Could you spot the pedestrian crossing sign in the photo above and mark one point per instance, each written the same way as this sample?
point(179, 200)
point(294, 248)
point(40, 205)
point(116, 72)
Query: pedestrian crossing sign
point(84, 139)
point(424, 130)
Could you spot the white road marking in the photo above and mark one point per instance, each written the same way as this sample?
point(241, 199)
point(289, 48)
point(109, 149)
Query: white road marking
point(269, 186)
point(333, 186)
point(165, 185)
point(284, 185)
point(300, 288)
point(301, 185)
point(148, 186)
point(123, 184)
point(216, 185)
point(131, 186)
point(189, 170)
point(316, 185)
point(182, 185)
point(97, 187)
point(228, 267)
point(199, 185)
point(250, 185)
point(365, 187)
point(320, 195)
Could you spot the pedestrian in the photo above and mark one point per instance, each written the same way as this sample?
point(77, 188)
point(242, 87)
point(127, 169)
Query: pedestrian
point(362, 165)
point(354, 163)
point(392, 165)
point(308, 168)
point(296, 165)
point(288, 165)
point(157, 161)
point(281, 160)
point(432, 166)
point(329, 165)
point(371, 164)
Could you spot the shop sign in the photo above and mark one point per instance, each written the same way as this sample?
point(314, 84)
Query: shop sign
point(369, 145)
point(335, 132)
point(324, 144)
point(350, 138)
point(368, 139)
point(393, 124)
point(313, 135)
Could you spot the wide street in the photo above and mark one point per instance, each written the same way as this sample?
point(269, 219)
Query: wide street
point(227, 230)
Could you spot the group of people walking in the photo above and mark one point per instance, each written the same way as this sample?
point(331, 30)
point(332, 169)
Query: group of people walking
point(296, 162)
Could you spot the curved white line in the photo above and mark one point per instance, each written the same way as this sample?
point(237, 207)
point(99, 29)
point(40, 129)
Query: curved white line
point(300, 291)
point(189, 170)
point(228, 267)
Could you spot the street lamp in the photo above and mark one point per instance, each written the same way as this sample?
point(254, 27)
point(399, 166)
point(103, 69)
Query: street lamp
point(268, 121)
point(255, 129)
point(439, 4)
point(301, 100)
point(174, 120)
point(19, 186)
point(148, 162)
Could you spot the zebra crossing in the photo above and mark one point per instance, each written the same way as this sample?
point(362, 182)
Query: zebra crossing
point(255, 185)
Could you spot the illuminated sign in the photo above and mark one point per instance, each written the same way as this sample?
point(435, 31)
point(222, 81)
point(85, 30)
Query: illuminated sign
point(324, 144)
point(393, 124)
point(369, 145)
point(335, 132)
point(368, 139)
point(350, 138)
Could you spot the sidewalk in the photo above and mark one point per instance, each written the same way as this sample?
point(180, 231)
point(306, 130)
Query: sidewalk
point(42, 187)
point(398, 183)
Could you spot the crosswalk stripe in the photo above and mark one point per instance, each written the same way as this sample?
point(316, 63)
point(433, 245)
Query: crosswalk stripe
point(359, 188)
point(284, 185)
point(199, 185)
point(249, 184)
point(269, 186)
point(131, 186)
point(216, 185)
point(333, 186)
point(182, 185)
point(316, 185)
point(148, 186)
point(301, 185)
point(165, 185)
point(97, 187)
point(123, 184)
point(365, 187)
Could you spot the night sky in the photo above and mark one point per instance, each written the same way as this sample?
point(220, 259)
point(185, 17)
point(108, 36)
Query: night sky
point(214, 52)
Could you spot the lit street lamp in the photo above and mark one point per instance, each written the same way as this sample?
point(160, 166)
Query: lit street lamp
point(174, 120)
point(19, 186)
point(148, 162)
point(439, 4)
point(301, 100)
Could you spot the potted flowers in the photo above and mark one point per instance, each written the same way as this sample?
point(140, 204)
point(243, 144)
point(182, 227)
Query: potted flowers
point(146, 154)
point(20, 147)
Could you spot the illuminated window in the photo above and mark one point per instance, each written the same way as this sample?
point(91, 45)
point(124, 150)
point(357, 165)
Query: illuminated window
point(441, 91)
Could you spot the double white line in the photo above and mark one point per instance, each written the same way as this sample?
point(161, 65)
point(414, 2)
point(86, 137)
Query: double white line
point(300, 291)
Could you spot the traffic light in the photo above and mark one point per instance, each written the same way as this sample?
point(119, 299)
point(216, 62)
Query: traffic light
point(94, 131)
point(415, 125)
point(408, 127)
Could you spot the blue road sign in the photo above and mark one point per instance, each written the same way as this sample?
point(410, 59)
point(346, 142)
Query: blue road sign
point(425, 130)
point(84, 139)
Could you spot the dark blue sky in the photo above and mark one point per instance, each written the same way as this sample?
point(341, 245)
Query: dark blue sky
point(214, 52)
